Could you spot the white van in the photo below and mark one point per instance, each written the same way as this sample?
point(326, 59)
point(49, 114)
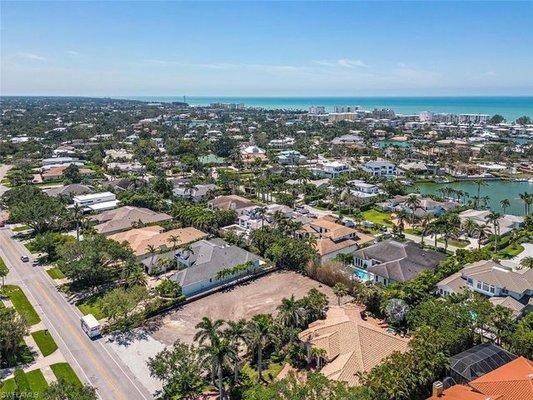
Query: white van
point(90, 326)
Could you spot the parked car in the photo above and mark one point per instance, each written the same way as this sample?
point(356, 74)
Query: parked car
point(25, 258)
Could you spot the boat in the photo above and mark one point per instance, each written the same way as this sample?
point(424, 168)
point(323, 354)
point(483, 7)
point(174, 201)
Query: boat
point(530, 180)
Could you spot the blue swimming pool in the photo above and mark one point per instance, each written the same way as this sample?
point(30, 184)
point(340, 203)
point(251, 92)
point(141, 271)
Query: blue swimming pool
point(363, 275)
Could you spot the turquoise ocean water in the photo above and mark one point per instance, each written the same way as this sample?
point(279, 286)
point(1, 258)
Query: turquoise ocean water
point(510, 107)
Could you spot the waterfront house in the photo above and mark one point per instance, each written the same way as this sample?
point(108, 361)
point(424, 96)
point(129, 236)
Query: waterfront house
point(363, 190)
point(506, 224)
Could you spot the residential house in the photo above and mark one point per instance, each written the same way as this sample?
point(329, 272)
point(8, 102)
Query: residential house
point(504, 285)
point(330, 169)
point(363, 190)
point(195, 193)
point(74, 189)
point(383, 169)
point(96, 201)
point(141, 239)
point(231, 202)
point(48, 163)
point(350, 345)
point(251, 153)
point(212, 263)
point(506, 224)
point(124, 218)
point(333, 238)
point(391, 261)
point(291, 157)
point(58, 172)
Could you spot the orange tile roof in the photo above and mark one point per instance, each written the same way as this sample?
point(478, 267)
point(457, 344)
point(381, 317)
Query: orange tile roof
point(460, 392)
point(512, 381)
point(351, 345)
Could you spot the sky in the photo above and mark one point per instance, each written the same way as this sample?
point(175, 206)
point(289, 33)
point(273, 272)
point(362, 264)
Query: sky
point(242, 48)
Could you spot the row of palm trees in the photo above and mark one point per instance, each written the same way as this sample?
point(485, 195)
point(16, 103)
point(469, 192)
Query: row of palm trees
point(227, 345)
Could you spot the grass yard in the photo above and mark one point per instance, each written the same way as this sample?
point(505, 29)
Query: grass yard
point(45, 342)
point(55, 273)
point(456, 242)
point(510, 251)
point(268, 373)
point(65, 371)
point(8, 386)
point(91, 305)
point(37, 381)
point(378, 217)
point(21, 304)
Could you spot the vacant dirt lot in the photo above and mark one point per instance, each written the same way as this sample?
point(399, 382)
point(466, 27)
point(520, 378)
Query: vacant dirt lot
point(257, 297)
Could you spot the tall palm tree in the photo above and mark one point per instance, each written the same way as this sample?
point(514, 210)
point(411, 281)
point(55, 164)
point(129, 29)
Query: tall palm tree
point(261, 212)
point(479, 183)
point(449, 231)
point(527, 199)
point(402, 216)
point(493, 218)
point(424, 223)
point(235, 332)
point(470, 226)
point(259, 334)
point(291, 315)
point(151, 250)
point(209, 332)
point(174, 239)
point(77, 214)
point(504, 204)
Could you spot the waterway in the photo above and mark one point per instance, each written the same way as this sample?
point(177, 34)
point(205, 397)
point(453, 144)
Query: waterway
point(495, 190)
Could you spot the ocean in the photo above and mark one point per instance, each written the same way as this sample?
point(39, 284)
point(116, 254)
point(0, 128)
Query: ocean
point(510, 107)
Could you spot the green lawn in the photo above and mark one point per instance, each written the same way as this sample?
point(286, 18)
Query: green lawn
point(510, 251)
point(8, 386)
point(65, 371)
point(456, 242)
point(268, 373)
point(91, 305)
point(45, 341)
point(37, 381)
point(378, 217)
point(21, 303)
point(55, 273)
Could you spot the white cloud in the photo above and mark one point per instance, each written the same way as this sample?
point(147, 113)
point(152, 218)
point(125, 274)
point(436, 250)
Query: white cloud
point(73, 53)
point(342, 62)
point(30, 56)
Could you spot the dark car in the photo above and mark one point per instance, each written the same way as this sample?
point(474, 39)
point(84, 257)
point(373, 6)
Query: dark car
point(25, 258)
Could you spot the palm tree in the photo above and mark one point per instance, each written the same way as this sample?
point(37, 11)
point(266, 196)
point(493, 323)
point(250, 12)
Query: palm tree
point(424, 223)
point(479, 183)
point(449, 231)
point(493, 218)
point(174, 239)
point(77, 213)
point(527, 262)
point(527, 199)
point(261, 212)
point(209, 332)
point(340, 290)
point(150, 249)
point(259, 334)
point(504, 204)
point(291, 315)
point(470, 226)
point(402, 216)
point(134, 275)
point(235, 332)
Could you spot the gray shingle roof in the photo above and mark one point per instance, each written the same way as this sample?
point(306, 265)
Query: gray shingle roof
point(208, 257)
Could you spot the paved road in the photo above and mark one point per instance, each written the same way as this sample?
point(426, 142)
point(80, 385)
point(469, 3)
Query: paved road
point(3, 170)
point(91, 360)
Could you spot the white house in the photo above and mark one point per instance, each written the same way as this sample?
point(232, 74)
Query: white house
point(362, 189)
point(384, 169)
point(96, 201)
point(330, 169)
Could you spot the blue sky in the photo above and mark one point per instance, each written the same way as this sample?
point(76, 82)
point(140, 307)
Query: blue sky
point(266, 49)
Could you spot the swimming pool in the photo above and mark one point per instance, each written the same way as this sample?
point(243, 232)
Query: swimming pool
point(363, 275)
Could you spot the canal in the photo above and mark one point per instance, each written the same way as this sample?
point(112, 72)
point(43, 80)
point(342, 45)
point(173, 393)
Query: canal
point(495, 190)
